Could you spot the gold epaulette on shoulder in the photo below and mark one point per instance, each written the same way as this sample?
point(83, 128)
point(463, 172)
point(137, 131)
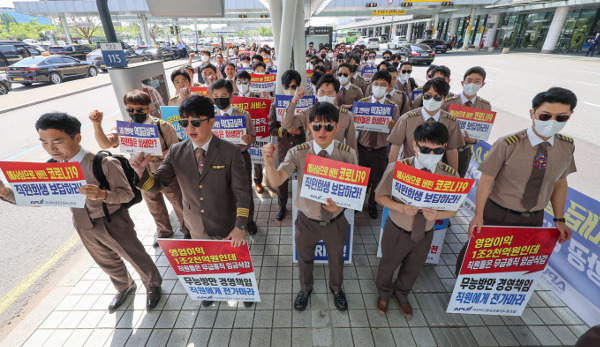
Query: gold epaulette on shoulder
point(344, 147)
point(413, 114)
point(359, 76)
point(354, 86)
point(390, 101)
point(449, 169)
point(449, 116)
point(303, 146)
point(452, 97)
point(365, 98)
point(484, 101)
point(419, 88)
point(343, 110)
point(511, 140)
point(564, 138)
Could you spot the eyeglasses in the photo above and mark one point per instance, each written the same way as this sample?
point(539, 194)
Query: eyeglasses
point(406, 71)
point(343, 74)
point(292, 87)
point(429, 96)
point(195, 123)
point(137, 110)
point(427, 150)
point(328, 127)
point(242, 82)
point(547, 116)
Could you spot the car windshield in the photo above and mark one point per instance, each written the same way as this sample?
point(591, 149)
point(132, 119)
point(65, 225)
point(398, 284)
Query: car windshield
point(96, 52)
point(57, 49)
point(420, 48)
point(29, 61)
point(373, 40)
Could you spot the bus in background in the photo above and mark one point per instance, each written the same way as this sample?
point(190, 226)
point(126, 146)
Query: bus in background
point(345, 36)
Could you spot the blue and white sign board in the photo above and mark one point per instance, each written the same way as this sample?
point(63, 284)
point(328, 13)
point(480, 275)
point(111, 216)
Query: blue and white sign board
point(113, 54)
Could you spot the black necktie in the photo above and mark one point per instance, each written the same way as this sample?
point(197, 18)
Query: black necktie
point(534, 184)
point(419, 222)
point(325, 215)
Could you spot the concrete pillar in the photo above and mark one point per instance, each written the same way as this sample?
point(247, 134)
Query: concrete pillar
point(558, 22)
point(491, 33)
point(145, 32)
point(195, 33)
point(209, 29)
point(454, 26)
point(436, 23)
point(284, 54)
point(467, 36)
point(394, 30)
point(299, 43)
point(63, 21)
point(409, 32)
point(275, 8)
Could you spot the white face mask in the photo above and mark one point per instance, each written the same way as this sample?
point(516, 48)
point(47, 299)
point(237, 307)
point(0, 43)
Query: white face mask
point(204, 58)
point(548, 128)
point(432, 104)
point(344, 80)
point(329, 55)
point(371, 61)
point(325, 98)
point(245, 65)
point(379, 91)
point(471, 88)
point(428, 161)
point(243, 88)
point(404, 77)
point(259, 73)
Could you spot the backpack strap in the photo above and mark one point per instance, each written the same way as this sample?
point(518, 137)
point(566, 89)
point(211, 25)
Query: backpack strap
point(101, 177)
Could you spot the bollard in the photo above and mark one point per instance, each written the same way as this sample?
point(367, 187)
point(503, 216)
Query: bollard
point(505, 50)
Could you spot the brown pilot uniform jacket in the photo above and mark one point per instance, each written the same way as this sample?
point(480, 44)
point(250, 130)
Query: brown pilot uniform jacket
point(405, 87)
point(214, 202)
point(382, 138)
point(285, 140)
point(346, 133)
point(360, 82)
point(401, 99)
point(348, 96)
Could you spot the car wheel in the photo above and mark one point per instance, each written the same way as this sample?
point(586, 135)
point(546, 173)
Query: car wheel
point(428, 63)
point(27, 84)
point(55, 78)
point(3, 89)
point(92, 71)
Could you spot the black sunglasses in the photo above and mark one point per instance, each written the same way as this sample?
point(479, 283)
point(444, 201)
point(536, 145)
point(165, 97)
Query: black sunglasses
point(294, 87)
point(137, 110)
point(406, 71)
point(195, 123)
point(328, 127)
point(547, 116)
point(343, 74)
point(429, 96)
point(427, 150)
point(240, 82)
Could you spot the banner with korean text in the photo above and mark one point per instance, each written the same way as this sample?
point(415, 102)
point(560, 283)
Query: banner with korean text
point(45, 184)
point(368, 72)
point(199, 90)
point(309, 74)
point(372, 117)
point(259, 111)
point(477, 123)
point(282, 102)
point(345, 184)
point(500, 270)
point(170, 114)
point(212, 269)
point(427, 190)
point(262, 83)
point(230, 128)
point(136, 137)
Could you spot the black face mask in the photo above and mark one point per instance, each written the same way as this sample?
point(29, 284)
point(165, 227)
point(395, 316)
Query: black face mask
point(222, 103)
point(396, 64)
point(138, 117)
point(323, 55)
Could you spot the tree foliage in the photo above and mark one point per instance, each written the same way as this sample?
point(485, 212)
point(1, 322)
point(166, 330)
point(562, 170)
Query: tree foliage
point(21, 31)
point(84, 26)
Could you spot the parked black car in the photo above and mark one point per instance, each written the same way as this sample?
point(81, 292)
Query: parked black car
point(13, 51)
point(5, 85)
point(156, 53)
point(417, 53)
point(438, 45)
point(75, 51)
point(53, 69)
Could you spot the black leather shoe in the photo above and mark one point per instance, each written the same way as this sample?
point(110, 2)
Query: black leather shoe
point(187, 237)
point(302, 300)
point(252, 229)
point(339, 299)
point(373, 211)
point(206, 303)
point(119, 299)
point(155, 244)
point(281, 213)
point(248, 303)
point(152, 297)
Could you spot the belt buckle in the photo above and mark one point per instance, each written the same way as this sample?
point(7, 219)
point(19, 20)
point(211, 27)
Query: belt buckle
point(323, 224)
point(526, 214)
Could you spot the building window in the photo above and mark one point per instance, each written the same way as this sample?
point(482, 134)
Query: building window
point(574, 35)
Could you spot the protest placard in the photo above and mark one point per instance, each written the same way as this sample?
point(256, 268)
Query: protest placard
point(170, 114)
point(372, 117)
point(212, 269)
point(345, 184)
point(282, 102)
point(500, 270)
point(259, 111)
point(262, 83)
point(427, 190)
point(45, 184)
point(368, 72)
point(230, 128)
point(477, 123)
point(136, 137)
point(199, 90)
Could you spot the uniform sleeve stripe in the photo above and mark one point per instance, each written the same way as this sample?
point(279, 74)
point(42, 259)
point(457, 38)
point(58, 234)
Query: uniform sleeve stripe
point(149, 182)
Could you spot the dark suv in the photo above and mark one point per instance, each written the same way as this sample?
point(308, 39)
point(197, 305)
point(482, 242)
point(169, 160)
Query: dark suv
point(438, 45)
point(13, 51)
point(75, 51)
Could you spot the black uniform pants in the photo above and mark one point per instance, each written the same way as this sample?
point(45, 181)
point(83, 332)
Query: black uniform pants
point(248, 164)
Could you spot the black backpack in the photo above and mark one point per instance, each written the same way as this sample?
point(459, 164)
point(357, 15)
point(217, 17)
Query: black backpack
point(129, 174)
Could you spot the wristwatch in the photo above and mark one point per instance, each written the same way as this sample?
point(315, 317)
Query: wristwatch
point(560, 220)
point(241, 227)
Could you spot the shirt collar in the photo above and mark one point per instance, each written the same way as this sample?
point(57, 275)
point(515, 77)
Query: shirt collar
point(79, 156)
point(318, 148)
point(426, 115)
point(373, 100)
point(464, 99)
point(148, 120)
point(245, 95)
point(536, 140)
point(347, 86)
point(205, 146)
point(391, 93)
point(228, 111)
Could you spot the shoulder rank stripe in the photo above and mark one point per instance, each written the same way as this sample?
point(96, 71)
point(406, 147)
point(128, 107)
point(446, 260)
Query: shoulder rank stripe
point(344, 147)
point(354, 86)
point(302, 146)
point(404, 161)
point(484, 101)
point(343, 110)
point(512, 139)
point(149, 182)
point(413, 113)
point(449, 169)
point(564, 138)
point(243, 212)
point(449, 116)
point(365, 98)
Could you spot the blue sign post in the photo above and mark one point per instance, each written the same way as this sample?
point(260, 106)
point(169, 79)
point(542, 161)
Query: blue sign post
point(113, 54)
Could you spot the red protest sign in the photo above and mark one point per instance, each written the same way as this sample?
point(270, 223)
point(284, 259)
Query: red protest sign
point(259, 111)
point(199, 90)
point(478, 123)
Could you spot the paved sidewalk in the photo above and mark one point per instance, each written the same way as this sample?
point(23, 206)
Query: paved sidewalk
point(80, 316)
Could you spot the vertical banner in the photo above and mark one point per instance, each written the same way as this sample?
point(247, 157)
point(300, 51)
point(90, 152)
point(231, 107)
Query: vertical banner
point(170, 114)
point(282, 102)
point(320, 251)
point(439, 234)
point(259, 111)
point(478, 123)
point(262, 83)
point(500, 270)
point(372, 117)
point(45, 184)
point(212, 269)
point(136, 137)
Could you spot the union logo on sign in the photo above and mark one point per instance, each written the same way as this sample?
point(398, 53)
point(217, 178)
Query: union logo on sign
point(390, 2)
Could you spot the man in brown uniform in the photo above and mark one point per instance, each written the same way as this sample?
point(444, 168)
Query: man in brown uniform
point(136, 103)
point(404, 81)
point(434, 92)
point(316, 221)
point(372, 145)
point(440, 71)
point(286, 139)
point(222, 92)
point(397, 96)
point(182, 82)
point(525, 171)
point(408, 231)
point(349, 93)
point(108, 242)
point(356, 78)
point(216, 193)
point(327, 90)
point(473, 80)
